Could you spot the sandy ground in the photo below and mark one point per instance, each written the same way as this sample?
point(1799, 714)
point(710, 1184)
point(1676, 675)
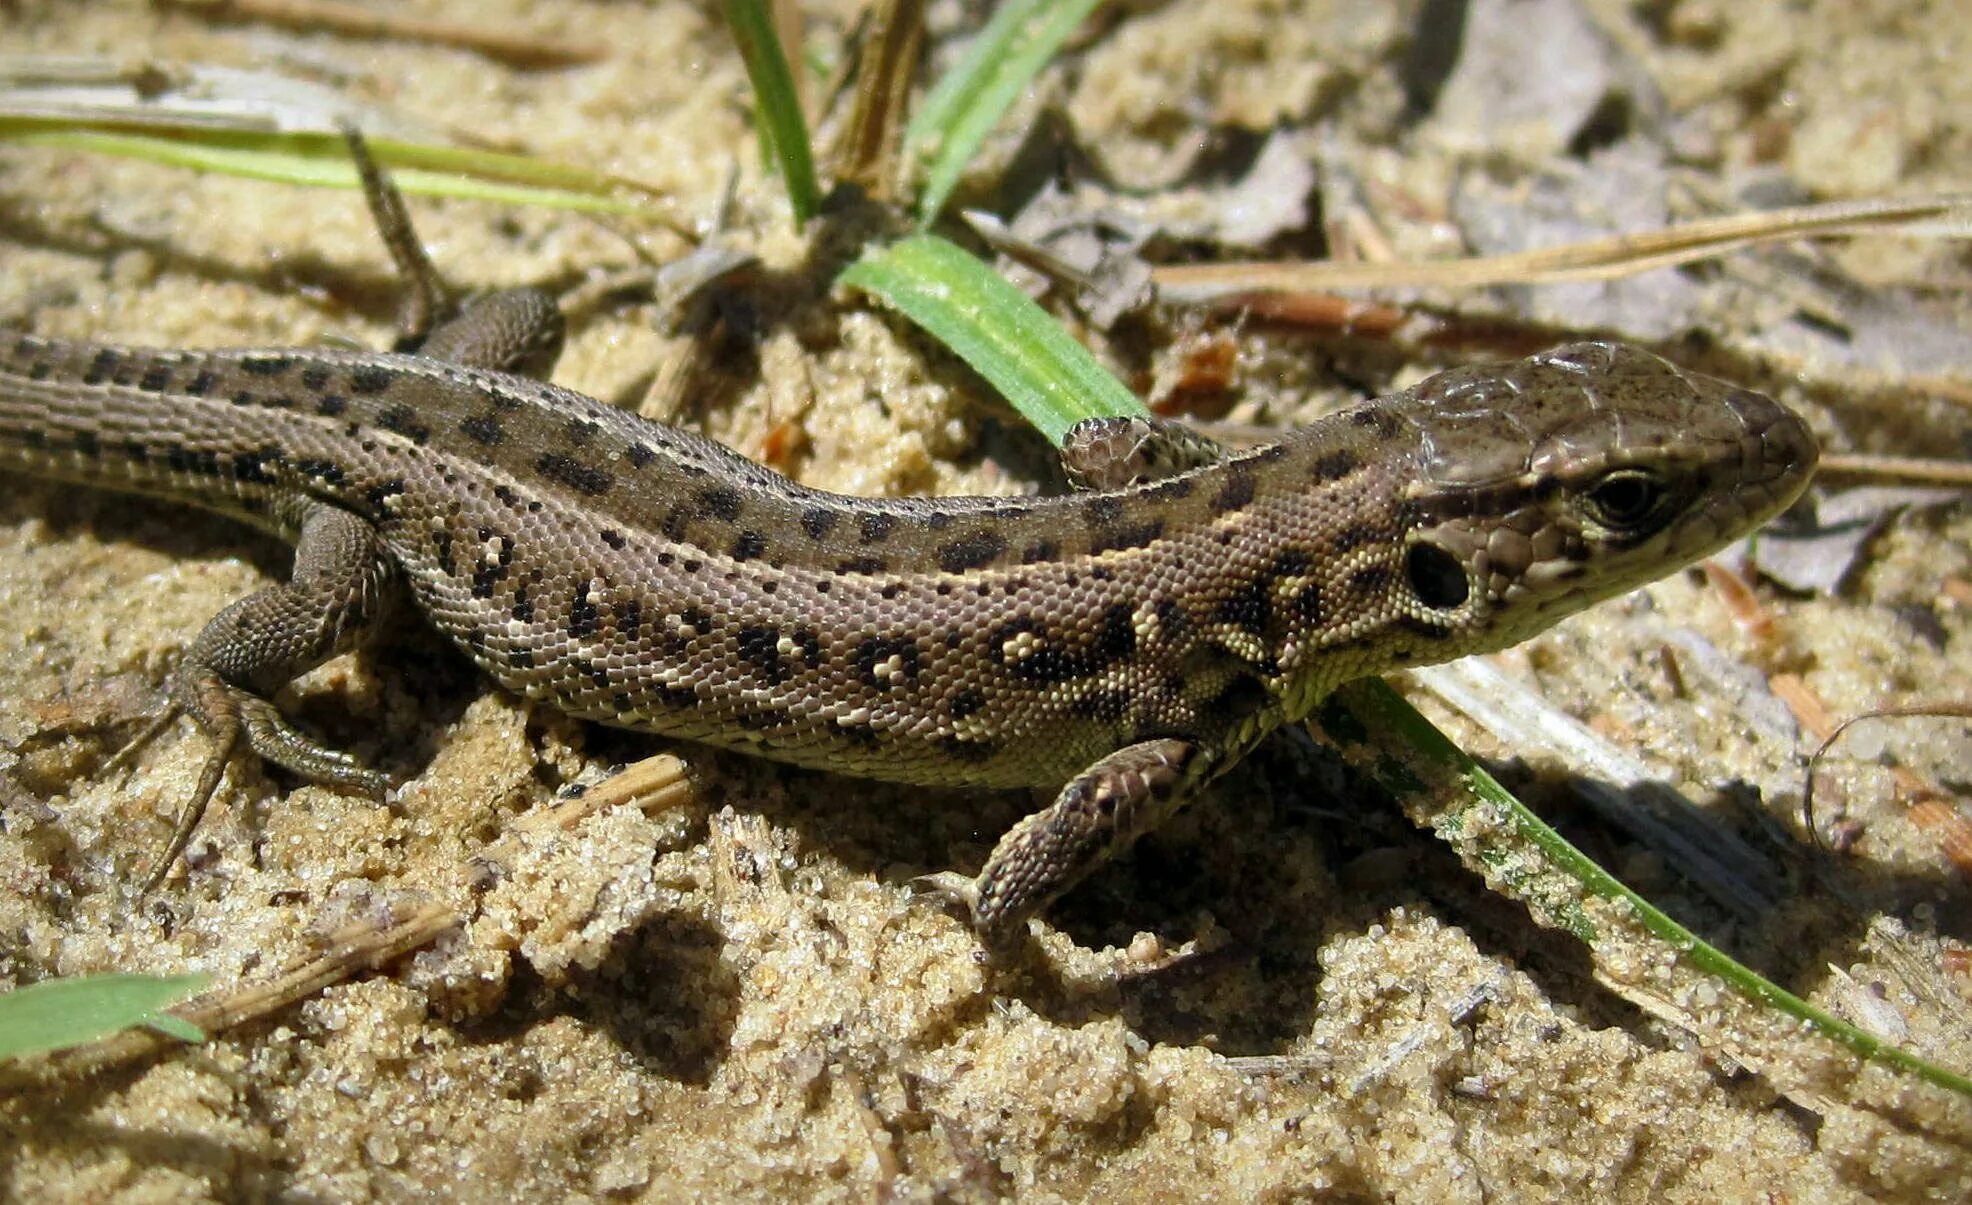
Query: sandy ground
point(732, 995)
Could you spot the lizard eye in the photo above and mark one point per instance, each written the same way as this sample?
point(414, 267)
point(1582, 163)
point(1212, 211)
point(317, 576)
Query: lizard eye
point(1625, 499)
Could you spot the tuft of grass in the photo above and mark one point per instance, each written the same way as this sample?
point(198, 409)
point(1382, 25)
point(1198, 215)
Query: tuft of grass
point(965, 105)
point(72, 1012)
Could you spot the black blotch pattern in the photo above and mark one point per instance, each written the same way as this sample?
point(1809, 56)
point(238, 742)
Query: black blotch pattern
point(404, 421)
point(875, 650)
point(1335, 465)
point(874, 526)
point(720, 502)
point(818, 521)
point(370, 378)
point(971, 552)
point(570, 472)
point(484, 429)
point(748, 545)
point(266, 366)
point(585, 618)
point(759, 647)
point(1235, 493)
point(1126, 536)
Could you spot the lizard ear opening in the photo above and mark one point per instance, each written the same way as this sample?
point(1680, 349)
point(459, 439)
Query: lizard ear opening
point(1435, 576)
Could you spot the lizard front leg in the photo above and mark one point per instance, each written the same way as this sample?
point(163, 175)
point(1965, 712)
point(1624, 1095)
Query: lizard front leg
point(1095, 817)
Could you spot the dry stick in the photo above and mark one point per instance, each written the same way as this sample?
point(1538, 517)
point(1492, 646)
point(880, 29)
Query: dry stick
point(519, 49)
point(1595, 259)
point(654, 784)
point(1916, 470)
point(1953, 834)
point(866, 152)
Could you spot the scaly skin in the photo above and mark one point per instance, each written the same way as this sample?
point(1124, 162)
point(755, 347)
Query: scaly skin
point(1130, 642)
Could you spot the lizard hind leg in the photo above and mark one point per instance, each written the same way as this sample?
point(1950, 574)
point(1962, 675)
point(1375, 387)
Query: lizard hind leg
point(343, 583)
point(1095, 817)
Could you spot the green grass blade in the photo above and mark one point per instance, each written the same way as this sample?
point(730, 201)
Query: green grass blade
point(321, 159)
point(70, 1012)
point(965, 105)
point(1053, 381)
point(1026, 355)
point(774, 98)
point(1446, 790)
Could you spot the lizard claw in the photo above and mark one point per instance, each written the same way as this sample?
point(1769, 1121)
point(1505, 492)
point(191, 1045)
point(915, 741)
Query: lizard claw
point(956, 892)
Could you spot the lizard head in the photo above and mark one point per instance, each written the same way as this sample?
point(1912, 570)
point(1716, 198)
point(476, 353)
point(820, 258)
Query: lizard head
point(1574, 476)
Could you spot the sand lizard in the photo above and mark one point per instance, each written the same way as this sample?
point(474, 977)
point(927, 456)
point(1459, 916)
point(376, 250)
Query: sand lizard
point(1131, 641)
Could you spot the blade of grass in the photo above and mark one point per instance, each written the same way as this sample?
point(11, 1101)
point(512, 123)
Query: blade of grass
point(70, 1012)
point(774, 98)
point(995, 328)
point(322, 160)
point(969, 101)
point(1052, 381)
point(1444, 789)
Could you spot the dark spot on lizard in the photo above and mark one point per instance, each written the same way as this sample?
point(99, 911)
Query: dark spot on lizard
point(584, 617)
point(863, 565)
point(582, 430)
point(965, 703)
point(1128, 535)
point(380, 494)
point(330, 405)
point(759, 647)
point(155, 379)
point(613, 538)
point(404, 421)
point(1237, 491)
point(573, 473)
point(441, 543)
point(103, 367)
point(315, 377)
point(1102, 510)
point(748, 545)
point(1352, 537)
point(370, 378)
point(720, 502)
point(971, 552)
point(1308, 605)
point(875, 652)
point(1040, 551)
point(201, 383)
point(1376, 418)
point(1292, 562)
point(1250, 608)
point(254, 466)
point(523, 608)
point(507, 496)
point(818, 521)
point(1335, 465)
point(1172, 489)
point(266, 366)
point(483, 429)
point(875, 525)
point(1370, 579)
